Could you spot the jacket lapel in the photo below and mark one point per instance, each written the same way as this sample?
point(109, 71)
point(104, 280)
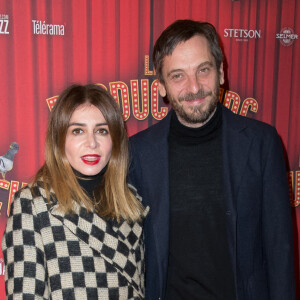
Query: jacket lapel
point(155, 192)
point(236, 146)
point(160, 192)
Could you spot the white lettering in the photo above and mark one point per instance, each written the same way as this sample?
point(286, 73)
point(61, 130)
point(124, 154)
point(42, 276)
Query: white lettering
point(241, 34)
point(257, 34)
point(44, 28)
point(286, 36)
point(4, 27)
point(40, 27)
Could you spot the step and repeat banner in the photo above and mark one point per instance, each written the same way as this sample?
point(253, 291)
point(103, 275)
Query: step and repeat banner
point(46, 45)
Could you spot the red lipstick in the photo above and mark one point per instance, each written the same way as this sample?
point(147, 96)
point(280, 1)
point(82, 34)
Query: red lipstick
point(91, 159)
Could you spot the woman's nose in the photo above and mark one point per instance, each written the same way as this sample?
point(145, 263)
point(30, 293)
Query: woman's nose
point(91, 140)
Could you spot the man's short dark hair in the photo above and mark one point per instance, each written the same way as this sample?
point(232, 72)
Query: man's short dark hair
point(181, 31)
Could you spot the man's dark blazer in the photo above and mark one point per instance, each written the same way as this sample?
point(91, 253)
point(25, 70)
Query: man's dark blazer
point(258, 213)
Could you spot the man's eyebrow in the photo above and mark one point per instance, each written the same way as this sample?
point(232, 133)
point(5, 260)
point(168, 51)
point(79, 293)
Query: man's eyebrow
point(204, 64)
point(174, 71)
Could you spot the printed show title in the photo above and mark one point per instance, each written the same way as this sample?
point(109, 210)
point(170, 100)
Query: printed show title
point(142, 98)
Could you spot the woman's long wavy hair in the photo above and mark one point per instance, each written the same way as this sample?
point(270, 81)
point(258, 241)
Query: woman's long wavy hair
point(113, 199)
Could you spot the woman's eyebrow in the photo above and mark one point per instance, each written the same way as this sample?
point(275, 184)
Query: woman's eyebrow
point(83, 124)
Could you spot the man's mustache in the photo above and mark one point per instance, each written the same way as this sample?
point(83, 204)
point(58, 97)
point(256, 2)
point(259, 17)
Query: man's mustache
point(192, 96)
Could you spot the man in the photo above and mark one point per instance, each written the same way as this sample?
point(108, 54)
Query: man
point(220, 222)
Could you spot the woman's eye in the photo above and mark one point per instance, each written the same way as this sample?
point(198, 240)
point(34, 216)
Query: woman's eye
point(102, 131)
point(77, 131)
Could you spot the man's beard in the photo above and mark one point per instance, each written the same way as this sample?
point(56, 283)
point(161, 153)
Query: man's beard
point(196, 114)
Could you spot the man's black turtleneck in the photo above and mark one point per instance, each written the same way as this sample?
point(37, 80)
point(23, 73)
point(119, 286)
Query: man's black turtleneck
point(199, 262)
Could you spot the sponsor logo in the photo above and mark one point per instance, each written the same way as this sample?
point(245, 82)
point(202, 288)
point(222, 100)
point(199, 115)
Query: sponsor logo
point(40, 27)
point(2, 267)
point(4, 20)
point(242, 35)
point(287, 36)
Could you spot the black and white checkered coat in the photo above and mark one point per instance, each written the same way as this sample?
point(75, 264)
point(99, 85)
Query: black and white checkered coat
point(52, 255)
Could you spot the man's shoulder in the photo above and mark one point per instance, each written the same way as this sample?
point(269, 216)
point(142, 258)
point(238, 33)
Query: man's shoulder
point(153, 132)
point(242, 122)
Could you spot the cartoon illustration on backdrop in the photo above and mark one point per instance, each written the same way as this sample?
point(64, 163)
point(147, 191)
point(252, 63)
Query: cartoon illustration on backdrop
point(6, 161)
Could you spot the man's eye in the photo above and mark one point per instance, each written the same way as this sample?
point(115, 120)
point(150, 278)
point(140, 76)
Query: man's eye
point(204, 70)
point(176, 76)
point(77, 131)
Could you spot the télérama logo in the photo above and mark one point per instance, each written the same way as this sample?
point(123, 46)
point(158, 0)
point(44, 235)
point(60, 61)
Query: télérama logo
point(4, 21)
point(40, 27)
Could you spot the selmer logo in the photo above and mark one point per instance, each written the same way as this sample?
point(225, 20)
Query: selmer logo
point(287, 36)
point(4, 24)
point(242, 35)
point(40, 27)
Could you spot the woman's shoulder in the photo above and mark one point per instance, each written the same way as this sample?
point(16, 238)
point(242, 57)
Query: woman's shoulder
point(28, 196)
point(134, 191)
point(31, 191)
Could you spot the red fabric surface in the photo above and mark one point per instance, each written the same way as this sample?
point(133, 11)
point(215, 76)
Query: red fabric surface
point(107, 42)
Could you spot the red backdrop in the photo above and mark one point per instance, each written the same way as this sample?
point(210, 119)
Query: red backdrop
point(110, 42)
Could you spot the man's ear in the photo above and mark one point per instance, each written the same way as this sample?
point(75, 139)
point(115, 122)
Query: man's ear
point(221, 74)
point(162, 89)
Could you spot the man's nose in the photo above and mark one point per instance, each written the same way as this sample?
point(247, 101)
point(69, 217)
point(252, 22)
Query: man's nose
point(193, 84)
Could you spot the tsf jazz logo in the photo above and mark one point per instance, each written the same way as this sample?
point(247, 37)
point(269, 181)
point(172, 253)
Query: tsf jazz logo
point(4, 24)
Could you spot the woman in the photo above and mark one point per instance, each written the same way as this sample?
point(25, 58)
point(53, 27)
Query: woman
point(76, 231)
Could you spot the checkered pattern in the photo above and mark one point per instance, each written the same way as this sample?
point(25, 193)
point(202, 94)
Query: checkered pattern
point(49, 254)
